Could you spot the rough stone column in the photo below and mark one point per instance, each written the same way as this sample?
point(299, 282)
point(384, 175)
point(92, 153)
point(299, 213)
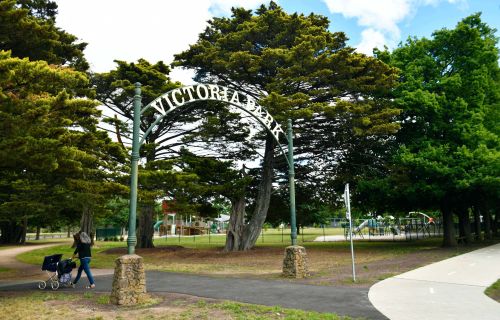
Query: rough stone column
point(295, 262)
point(129, 281)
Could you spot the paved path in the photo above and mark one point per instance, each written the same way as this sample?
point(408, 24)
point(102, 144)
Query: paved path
point(449, 289)
point(343, 301)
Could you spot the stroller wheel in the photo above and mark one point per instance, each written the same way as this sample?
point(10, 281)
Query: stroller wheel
point(54, 285)
point(42, 285)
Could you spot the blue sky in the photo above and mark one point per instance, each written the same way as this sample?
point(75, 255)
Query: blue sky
point(157, 29)
point(422, 19)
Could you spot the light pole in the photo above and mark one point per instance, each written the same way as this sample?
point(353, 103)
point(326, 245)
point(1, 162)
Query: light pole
point(134, 163)
point(291, 181)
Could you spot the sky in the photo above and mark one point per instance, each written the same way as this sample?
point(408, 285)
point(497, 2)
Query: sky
point(157, 29)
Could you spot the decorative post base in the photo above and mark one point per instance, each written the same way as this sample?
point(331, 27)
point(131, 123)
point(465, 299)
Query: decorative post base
point(129, 281)
point(295, 262)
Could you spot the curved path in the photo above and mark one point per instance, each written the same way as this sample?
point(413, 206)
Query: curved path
point(449, 289)
point(343, 301)
point(8, 259)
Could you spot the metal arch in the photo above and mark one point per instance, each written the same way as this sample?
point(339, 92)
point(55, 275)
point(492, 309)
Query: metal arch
point(162, 116)
point(136, 144)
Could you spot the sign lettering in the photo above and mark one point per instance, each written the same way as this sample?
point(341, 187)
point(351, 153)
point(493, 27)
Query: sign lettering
point(180, 96)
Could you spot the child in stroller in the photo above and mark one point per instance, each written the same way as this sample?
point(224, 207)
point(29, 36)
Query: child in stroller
point(59, 271)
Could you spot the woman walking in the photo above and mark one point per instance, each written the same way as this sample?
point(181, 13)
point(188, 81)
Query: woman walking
point(83, 250)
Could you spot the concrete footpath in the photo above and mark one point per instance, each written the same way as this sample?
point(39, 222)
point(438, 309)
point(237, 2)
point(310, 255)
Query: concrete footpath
point(343, 301)
point(449, 289)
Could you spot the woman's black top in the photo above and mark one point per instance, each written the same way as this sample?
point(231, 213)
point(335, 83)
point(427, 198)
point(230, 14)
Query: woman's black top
point(83, 250)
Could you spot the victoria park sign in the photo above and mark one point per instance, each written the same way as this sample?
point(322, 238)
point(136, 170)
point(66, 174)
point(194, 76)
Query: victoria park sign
point(179, 97)
point(171, 100)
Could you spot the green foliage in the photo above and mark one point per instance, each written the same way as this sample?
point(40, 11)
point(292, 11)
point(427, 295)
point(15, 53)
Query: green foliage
point(448, 145)
point(27, 28)
point(53, 157)
point(296, 68)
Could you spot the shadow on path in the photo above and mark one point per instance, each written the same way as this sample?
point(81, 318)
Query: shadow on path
point(342, 301)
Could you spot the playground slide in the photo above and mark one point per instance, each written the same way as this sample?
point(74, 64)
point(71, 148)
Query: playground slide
point(361, 226)
point(158, 224)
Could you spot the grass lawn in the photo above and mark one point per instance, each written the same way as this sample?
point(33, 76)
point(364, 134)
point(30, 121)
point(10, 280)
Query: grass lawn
point(59, 305)
point(493, 291)
point(329, 262)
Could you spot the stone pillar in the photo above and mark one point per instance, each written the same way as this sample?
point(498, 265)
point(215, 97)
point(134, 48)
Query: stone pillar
point(295, 262)
point(129, 281)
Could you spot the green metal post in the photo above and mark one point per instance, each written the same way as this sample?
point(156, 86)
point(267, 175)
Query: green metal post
point(132, 239)
point(291, 181)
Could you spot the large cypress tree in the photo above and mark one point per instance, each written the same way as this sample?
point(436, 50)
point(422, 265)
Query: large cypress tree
point(296, 68)
point(50, 149)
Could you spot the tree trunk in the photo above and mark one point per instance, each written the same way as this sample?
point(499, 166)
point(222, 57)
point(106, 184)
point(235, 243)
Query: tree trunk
point(464, 225)
point(37, 237)
point(25, 230)
point(487, 224)
point(253, 228)
point(477, 224)
point(145, 230)
point(11, 232)
point(236, 224)
point(494, 225)
point(87, 223)
point(69, 232)
point(449, 239)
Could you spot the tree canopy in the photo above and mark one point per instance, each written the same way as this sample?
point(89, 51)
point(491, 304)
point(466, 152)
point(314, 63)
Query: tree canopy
point(296, 68)
point(448, 146)
point(28, 29)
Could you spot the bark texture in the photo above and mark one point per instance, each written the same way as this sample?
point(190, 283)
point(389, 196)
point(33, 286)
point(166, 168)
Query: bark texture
point(12, 232)
point(494, 225)
point(464, 225)
point(487, 225)
point(145, 230)
point(477, 224)
point(253, 228)
point(87, 223)
point(236, 224)
point(449, 239)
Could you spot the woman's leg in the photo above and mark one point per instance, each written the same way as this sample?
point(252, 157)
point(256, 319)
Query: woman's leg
point(86, 268)
point(79, 274)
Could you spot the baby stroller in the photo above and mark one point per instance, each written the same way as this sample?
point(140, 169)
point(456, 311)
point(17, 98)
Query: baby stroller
point(59, 271)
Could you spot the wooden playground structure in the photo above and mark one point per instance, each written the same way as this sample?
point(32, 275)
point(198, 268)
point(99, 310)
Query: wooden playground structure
point(187, 225)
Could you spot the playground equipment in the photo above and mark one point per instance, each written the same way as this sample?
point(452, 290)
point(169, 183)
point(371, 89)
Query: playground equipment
point(425, 226)
point(186, 227)
point(376, 227)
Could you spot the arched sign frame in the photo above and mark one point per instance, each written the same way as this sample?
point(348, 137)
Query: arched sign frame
point(179, 97)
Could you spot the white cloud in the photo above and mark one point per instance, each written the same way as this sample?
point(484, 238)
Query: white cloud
point(370, 39)
point(129, 29)
point(383, 15)
point(380, 18)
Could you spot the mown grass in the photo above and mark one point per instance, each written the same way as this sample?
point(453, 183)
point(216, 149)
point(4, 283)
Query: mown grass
point(268, 238)
point(329, 262)
point(493, 291)
point(104, 261)
point(59, 305)
point(33, 306)
point(272, 239)
point(236, 310)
